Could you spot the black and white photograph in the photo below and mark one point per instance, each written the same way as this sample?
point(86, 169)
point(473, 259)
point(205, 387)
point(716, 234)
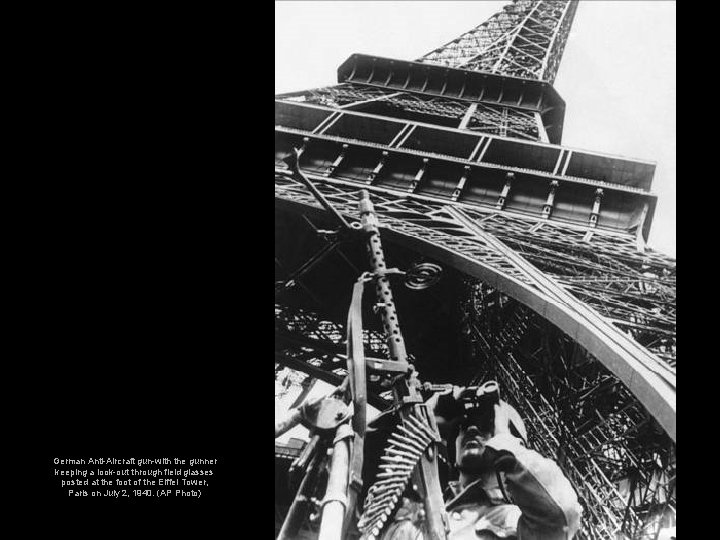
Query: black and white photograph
point(475, 270)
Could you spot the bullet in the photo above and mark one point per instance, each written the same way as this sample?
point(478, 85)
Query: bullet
point(379, 523)
point(404, 477)
point(415, 448)
point(389, 474)
point(395, 481)
point(399, 446)
point(382, 489)
point(376, 524)
point(419, 437)
point(397, 467)
point(387, 481)
point(424, 427)
point(418, 432)
point(371, 516)
point(395, 490)
point(381, 502)
point(378, 504)
point(376, 528)
point(398, 460)
point(411, 449)
point(410, 437)
point(400, 466)
point(416, 419)
point(393, 460)
point(380, 493)
point(393, 451)
point(418, 423)
point(386, 507)
point(379, 512)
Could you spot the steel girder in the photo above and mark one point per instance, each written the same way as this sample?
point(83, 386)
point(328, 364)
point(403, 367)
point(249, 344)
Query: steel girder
point(526, 39)
point(599, 393)
point(500, 120)
point(619, 461)
point(310, 343)
point(457, 165)
point(451, 235)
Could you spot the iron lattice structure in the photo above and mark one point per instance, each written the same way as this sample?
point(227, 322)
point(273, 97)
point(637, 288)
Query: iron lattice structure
point(553, 289)
point(526, 39)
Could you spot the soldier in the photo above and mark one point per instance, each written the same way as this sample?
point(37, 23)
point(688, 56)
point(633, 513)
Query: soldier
point(504, 489)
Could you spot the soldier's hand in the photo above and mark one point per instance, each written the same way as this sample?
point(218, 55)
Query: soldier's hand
point(502, 420)
point(457, 391)
point(445, 404)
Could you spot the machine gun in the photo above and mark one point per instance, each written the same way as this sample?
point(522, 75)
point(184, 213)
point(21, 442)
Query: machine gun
point(410, 456)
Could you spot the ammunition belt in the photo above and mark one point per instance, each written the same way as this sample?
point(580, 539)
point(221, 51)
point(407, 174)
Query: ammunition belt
point(405, 446)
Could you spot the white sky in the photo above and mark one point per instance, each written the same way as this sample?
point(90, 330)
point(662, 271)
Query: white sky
point(617, 75)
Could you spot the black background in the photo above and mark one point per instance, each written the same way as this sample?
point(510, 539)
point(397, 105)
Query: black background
point(143, 237)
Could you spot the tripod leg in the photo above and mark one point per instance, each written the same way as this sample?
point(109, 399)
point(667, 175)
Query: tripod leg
point(287, 423)
point(301, 504)
point(335, 501)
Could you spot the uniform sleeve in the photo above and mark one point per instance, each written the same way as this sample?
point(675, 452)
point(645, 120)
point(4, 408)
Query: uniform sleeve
point(548, 502)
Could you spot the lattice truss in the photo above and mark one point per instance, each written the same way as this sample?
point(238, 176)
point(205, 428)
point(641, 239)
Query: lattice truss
point(620, 462)
point(526, 39)
point(635, 290)
point(492, 119)
point(306, 341)
point(632, 289)
point(619, 459)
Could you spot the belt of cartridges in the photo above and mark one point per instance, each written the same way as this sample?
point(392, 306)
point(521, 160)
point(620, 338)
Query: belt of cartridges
point(404, 448)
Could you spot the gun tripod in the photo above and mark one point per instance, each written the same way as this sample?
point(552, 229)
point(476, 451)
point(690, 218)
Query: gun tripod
point(410, 454)
point(329, 423)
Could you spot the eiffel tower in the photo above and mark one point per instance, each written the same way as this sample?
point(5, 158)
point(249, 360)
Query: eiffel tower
point(547, 283)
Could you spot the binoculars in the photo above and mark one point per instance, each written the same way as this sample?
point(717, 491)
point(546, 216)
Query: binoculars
point(485, 396)
point(473, 403)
